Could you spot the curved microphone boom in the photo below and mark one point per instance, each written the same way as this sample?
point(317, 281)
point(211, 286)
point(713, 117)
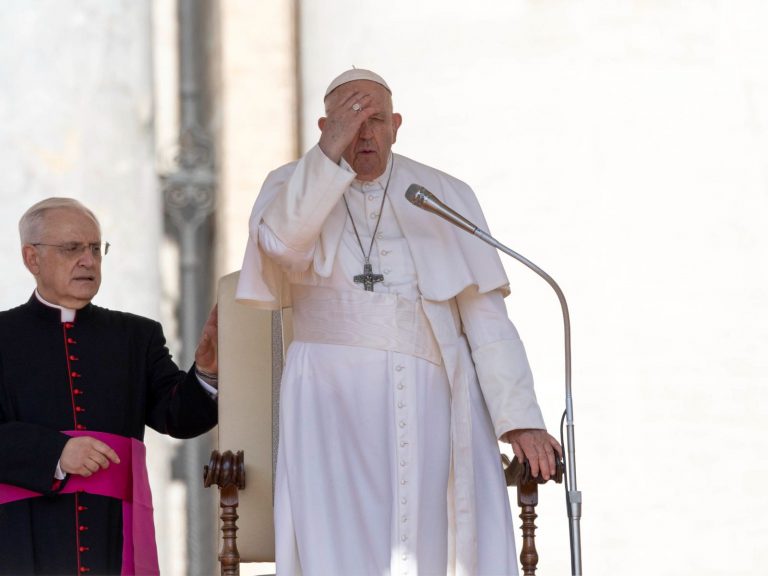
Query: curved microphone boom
point(423, 198)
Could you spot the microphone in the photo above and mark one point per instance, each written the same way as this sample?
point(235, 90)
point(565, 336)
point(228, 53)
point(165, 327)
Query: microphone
point(424, 199)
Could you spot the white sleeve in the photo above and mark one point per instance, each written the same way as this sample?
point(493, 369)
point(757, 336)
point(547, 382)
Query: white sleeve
point(500, 360)
point(210, 390)
point(289, 259)
point(291, 224)
point(298, 212)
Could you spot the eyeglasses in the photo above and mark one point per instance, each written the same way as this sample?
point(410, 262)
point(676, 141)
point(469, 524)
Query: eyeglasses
point(77, 249)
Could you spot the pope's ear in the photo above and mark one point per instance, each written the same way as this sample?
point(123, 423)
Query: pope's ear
point(31, 258)
point(397, 120)
point(321, 123)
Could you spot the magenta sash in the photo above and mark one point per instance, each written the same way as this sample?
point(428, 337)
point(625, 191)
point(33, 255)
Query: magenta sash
point(127, 481)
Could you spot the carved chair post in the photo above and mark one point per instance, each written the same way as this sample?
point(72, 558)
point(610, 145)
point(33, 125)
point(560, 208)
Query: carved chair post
point(519, 475)
point(227, 471)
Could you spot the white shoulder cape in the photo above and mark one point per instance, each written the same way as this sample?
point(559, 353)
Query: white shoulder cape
point(447, 259)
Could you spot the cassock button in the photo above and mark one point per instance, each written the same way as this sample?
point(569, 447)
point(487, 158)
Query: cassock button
point(73, 357)
point(84, 569)
point(83, 528)
point(71, 341)
point(82, 508)
point(68, 325)
point(79, 409)
point(77, 392)
point(84, 549)
point(80, 426)
point(75, 374)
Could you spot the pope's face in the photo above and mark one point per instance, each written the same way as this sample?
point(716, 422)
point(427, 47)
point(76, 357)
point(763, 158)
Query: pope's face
point(369, 151)
point(65, 261)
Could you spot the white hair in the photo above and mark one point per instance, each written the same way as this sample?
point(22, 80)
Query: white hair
point(33, 221)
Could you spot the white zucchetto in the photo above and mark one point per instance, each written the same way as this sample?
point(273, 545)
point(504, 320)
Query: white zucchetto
point(356, 74)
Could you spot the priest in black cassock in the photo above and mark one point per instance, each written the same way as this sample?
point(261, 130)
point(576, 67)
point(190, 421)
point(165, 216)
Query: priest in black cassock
point(78, 384)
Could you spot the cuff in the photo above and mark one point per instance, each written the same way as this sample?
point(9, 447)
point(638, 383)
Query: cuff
point(209, 382)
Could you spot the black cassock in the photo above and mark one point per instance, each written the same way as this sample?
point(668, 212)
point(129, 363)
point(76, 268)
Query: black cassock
point(105, 371)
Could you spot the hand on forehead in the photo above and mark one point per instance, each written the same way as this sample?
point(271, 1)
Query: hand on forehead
point(360, 91)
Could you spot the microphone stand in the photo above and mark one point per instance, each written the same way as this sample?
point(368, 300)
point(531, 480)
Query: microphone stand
point(572, 494)
point(422, 198)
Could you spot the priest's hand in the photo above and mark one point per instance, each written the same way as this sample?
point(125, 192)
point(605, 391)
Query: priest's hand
point(85, 455)
point(346, 111)
point(207, 353)
point(536, 446)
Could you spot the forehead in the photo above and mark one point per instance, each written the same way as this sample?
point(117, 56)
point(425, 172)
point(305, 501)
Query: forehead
point(379, 95)
point(70, 224)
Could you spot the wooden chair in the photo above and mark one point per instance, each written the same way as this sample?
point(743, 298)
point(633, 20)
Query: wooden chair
point(519, 475)
point(249, 377)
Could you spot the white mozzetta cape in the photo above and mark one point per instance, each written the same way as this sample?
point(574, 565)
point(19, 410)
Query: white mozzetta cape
point(447, 259)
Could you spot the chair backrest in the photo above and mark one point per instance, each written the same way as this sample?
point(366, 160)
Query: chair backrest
point(250, 367)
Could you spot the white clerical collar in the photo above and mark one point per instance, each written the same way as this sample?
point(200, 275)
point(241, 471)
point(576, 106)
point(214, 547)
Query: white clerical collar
point(67, 314)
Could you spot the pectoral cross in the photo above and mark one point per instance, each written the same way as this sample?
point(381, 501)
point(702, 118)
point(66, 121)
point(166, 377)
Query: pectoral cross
point(368, 278)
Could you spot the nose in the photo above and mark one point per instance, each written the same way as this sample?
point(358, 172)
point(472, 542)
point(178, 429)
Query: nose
point(87, 259)
point(365, 131)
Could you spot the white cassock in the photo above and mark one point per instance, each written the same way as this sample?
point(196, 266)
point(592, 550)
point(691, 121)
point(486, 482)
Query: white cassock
point(388, 460)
